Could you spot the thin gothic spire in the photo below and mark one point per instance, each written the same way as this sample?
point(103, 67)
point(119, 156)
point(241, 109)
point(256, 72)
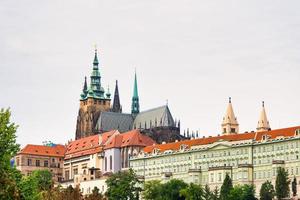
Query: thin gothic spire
point(116, 104)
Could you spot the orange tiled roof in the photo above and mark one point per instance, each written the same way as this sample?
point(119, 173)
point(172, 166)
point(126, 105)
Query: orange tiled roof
point(41, 150)
point(285, 132)
point(87, 145)
point(130, 138)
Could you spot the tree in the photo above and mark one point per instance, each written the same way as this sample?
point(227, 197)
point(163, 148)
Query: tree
point(294, 186)
point(96, 195)
point(248, 192)
point(152, 190)
point(242, 192)
point(267, 191)
point(10, 177)
point(235, 193)
point(34, 185)
point(192, 192)
point(215, 195)
point(207, 194)
point(282, 184)
point(71, 193)
point(171, 189)
point(226, 187)
point(123, 186)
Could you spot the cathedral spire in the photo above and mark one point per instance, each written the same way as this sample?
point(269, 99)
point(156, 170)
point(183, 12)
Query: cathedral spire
point(96, 79)
point(96, 62)
point(116, 104)
point(135, 106)
point(229, 123)
point(263, 123)
point(85, 85)
point(84, 90)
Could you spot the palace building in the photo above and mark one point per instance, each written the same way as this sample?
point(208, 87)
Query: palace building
point(90, 160)
point(97, 115)
point(249, 158)
point(41, 157)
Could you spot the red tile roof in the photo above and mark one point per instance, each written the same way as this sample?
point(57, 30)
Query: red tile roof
point(286, 132)
point(41, 150)
point(131, 138)
point(87, 145)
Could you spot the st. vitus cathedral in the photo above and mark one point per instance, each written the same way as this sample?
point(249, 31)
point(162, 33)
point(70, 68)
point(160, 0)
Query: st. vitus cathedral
point(96, 115)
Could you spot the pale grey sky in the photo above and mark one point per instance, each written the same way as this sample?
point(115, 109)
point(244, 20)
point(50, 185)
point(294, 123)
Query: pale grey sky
point(194, 53)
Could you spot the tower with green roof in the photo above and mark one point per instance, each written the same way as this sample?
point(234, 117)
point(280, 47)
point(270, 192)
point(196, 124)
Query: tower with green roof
point(93, 101)
point(135, 106)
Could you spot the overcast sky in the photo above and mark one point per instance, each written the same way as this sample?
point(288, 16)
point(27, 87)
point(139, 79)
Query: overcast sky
point(194, 53)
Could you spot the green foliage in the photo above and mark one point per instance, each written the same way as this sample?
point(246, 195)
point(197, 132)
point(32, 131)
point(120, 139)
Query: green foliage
point(242, 192)
point(96, 195)
point(192, 192)
point(8, 149)
point(171, 189)
point(294, 186)
point(123, 186)
point(216, 194)
point(267, 191)
point(152, 190)
point(71, 193)
point(207, 194)
point(282, 184)
point(226, 187)
point(32, 186)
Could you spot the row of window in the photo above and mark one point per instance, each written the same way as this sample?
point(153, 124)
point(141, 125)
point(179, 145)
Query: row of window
point(38, 163)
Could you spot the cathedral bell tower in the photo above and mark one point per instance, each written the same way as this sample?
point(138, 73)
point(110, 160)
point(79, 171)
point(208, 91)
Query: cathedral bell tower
point(93, 100)
point(229, 123)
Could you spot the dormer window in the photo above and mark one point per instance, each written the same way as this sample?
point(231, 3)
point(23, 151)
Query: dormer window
point(183, 147)
point(155, 151)
point(264, 137)
point(297, 132)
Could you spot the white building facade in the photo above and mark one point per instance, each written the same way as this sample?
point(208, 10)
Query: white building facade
point(249, 158)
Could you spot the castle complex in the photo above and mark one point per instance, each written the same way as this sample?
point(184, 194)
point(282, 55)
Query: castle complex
point(96, 115)
point(149, 142)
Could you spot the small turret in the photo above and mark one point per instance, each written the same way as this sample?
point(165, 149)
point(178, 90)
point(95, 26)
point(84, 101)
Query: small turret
point(263, 123)
point(229, 123)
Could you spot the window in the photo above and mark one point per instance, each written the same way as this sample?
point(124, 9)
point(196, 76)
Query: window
point(110, 162)
point(105, 163)
point(46, 163)
point(232, 130)
point(67, 174)
point(212, 177)
point(18, 161)
point(75, 171)
point(224, 130)
point(29, 162)
point(53, 160)
point(297, 132)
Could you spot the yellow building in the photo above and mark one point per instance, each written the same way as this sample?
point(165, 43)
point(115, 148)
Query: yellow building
point(249, 158)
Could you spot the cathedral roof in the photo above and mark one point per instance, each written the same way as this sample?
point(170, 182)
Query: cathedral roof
point(41, 150)
point(114, 121)
point(255, 136)
point(160, 116)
